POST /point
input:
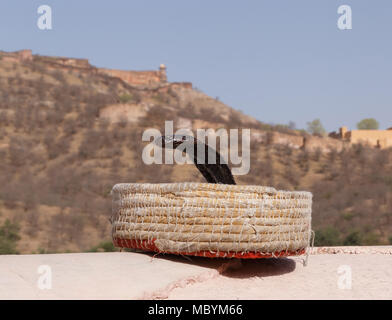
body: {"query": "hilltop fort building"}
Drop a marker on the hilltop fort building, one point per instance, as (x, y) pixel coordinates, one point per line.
(376, 138)
(148, 78)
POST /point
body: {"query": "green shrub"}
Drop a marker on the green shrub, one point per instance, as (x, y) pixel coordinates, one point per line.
(124, 98)
(45, 251)
(353, 239)
(328, 236)
(371, 239)
(105, 246)
(160, 98)
(9, 237)
(348, 216)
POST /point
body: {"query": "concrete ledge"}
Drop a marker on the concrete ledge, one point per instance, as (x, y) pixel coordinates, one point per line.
(132, 275)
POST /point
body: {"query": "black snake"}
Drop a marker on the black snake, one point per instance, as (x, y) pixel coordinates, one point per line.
(215, 172)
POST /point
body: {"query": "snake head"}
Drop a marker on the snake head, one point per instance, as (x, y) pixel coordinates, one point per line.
(173, 141)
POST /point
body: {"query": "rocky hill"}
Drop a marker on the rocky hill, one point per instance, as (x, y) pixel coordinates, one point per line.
(69, 132)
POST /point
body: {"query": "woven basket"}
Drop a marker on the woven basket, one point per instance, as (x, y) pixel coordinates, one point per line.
(213, 220)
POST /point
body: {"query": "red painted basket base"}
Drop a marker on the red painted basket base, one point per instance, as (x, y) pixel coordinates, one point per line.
(150, 246)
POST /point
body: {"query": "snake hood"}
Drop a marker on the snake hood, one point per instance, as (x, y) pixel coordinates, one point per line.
(217, 172)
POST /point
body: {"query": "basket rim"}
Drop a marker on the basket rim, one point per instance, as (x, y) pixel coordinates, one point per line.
(206, 186)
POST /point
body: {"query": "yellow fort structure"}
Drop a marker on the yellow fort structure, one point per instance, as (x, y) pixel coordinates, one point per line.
(376, 138)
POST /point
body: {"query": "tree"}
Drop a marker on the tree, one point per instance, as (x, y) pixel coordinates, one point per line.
(292, 125)
(368, 124)
(316, 128)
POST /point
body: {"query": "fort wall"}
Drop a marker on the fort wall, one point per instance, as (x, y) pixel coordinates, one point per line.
(17, 56)
(324, 144)
(137, 78)
(376, 138)
(143, 79)
(64, 62)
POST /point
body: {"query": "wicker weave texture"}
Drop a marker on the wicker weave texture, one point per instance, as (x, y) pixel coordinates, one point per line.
(196, 217)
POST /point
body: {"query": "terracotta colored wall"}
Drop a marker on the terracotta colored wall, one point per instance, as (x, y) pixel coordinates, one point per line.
(135, 78)
(25, 55)
(141, 78)
(75, 62)
(187, 85)
(17, 56)
(67, 62)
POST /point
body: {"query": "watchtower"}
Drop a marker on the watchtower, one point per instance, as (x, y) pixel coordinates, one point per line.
(162, 73)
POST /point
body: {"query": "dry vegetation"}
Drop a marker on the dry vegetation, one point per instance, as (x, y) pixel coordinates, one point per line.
(352, 189)
(59, 161)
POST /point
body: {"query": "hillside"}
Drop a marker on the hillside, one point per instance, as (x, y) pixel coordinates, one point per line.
(68, 134)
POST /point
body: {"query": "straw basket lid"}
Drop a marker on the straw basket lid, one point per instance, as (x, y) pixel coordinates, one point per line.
(213, 220)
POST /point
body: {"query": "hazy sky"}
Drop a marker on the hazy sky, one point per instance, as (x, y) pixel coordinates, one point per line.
(278, 61)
